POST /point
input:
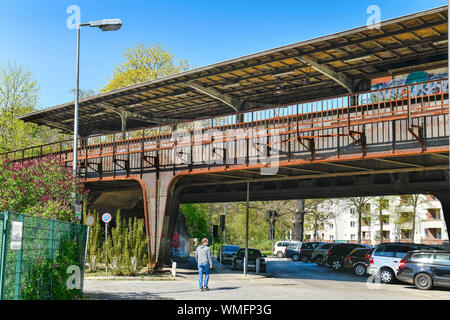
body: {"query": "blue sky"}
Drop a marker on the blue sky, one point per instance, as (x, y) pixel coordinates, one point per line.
(33, 33)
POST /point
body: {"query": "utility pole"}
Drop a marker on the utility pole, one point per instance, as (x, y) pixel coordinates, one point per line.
(246, 230)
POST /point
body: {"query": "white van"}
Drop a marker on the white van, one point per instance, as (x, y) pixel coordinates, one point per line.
(280, 247)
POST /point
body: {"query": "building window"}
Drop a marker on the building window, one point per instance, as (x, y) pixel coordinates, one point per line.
(406, 234)
(331, 237)
(434, 214)
(434, 233)
(352, 236)
(352, 224)
(385, 219)
(352, 210)
(386, 235)
(366, 235)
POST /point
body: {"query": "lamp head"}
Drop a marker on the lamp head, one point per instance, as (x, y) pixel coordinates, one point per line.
(107, 24)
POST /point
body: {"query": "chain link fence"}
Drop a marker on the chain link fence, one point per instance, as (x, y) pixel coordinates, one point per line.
(35, 254)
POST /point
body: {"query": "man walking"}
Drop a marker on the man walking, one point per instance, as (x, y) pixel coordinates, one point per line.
(204, 261)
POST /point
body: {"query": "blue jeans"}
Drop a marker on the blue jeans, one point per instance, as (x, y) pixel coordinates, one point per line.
(203, 269)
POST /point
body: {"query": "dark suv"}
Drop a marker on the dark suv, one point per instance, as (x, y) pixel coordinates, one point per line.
(358, 260)
(425, 269)
(319, 254)
(337, 254)
(307, 249)
(253, 254)
(226, 253)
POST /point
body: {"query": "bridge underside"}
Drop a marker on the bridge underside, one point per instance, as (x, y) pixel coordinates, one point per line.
(424, 173)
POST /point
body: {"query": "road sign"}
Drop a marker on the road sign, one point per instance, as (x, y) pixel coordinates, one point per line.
(106, 217)
(78, 211)
(90, 220)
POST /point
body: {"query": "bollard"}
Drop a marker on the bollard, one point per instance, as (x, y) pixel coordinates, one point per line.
(174, 269)
(258, 266)
(244, 269)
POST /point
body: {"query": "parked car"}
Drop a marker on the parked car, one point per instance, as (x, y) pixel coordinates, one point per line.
(318, 255)
(425, 269)
(337, 254)
(292, 252)
(358, 260)
(384, 259)
(226, 252)
(280, 247)
(445, 245)
(307, 249)
(253, 254)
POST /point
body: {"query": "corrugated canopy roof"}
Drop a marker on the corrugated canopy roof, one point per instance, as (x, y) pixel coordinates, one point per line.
(321, 67)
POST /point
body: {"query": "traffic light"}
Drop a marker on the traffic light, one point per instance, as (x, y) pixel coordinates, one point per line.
(222, 222)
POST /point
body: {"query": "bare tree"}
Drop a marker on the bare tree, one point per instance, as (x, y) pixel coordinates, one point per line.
(277, 212)
(381, 203)
(299, 221)
(411, 200)
(362, 210)
(317, 212)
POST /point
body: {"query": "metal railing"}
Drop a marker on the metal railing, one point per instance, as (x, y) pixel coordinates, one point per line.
(303, 128)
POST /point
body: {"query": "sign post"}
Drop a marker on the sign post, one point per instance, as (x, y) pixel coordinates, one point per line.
(106, 218)
(90, 221)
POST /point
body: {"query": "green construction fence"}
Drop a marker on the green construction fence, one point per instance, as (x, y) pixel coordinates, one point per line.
(30, 244)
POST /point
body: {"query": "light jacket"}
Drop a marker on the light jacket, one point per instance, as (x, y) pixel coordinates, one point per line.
(203, 254)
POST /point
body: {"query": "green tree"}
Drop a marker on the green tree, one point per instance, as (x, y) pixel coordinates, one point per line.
(196, 216)
(19, 94)
(144, 63)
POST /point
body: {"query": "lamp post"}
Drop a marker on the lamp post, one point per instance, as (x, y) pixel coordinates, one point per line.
(104, 25)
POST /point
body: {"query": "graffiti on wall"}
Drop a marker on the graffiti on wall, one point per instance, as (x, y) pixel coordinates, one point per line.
(395, 87)
(180, 246)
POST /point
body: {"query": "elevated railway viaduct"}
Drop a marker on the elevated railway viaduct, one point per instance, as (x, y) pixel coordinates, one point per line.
(300, 121)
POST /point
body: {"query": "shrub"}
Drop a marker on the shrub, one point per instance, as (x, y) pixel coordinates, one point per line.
(40, 187)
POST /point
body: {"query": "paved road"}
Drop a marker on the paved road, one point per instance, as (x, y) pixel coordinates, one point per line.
(287, 280)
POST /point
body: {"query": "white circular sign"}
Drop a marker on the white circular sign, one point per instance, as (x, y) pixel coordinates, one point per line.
(106, 217)
(90, 220)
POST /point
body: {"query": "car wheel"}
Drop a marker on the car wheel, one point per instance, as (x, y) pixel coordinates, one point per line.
(359, 270)
(319, 260)
(295, 257)
(304, 259)
(336, 265)
(387, 275)
(280, 254)
(423, 281)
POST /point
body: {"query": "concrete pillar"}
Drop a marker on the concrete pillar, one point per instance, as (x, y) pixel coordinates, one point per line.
(162, 206)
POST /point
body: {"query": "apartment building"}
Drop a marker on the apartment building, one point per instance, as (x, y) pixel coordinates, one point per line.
(392, 224)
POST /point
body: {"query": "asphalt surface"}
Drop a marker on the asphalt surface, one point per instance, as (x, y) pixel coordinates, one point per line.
(285, 280)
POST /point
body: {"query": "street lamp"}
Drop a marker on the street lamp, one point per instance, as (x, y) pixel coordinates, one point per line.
(104, 25)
